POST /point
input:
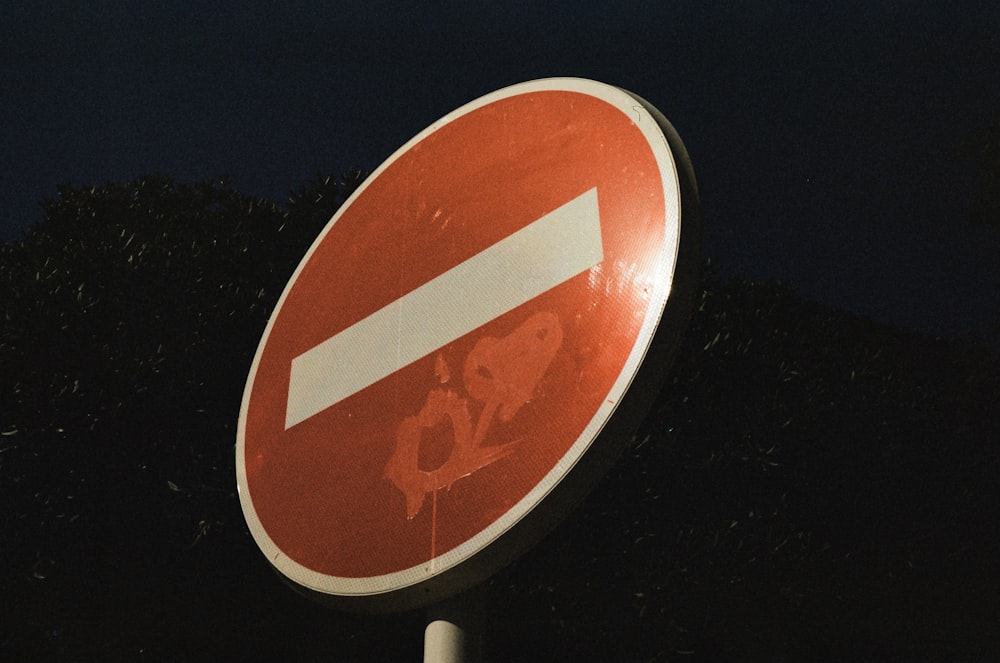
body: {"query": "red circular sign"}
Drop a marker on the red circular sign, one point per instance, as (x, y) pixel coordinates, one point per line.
(457, 336)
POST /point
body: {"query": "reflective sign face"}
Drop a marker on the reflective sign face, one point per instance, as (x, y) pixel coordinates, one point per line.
(457, 337)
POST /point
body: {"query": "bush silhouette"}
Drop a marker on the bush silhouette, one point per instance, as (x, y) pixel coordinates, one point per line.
(808, 485)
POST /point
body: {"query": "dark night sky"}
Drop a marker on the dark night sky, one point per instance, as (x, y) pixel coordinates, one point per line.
(823, 134)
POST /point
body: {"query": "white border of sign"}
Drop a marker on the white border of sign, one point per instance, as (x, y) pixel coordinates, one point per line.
(652, 128)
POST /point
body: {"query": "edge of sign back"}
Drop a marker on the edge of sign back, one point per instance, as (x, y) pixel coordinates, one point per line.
(469, 343)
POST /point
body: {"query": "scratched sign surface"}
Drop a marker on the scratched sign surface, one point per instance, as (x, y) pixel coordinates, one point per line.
(457, 336)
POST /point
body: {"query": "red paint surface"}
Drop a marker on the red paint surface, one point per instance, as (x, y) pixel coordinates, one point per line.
(327, 490)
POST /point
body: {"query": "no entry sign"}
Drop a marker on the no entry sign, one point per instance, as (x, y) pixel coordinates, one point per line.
(463, 345)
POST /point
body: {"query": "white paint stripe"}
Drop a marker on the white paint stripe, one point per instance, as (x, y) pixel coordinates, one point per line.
(518, 268)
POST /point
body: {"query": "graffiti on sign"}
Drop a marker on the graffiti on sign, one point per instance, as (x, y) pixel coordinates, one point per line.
(500, 375)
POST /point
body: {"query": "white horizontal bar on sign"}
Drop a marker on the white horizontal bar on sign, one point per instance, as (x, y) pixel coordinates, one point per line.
(549, 251)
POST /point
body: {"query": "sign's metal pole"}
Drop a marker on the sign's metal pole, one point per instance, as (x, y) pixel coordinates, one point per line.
(444, 642)
(454, 632)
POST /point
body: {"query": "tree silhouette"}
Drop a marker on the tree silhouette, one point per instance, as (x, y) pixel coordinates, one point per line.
(131, 314)
(809, 485)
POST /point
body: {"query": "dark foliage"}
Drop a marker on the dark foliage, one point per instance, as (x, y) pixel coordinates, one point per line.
(809, 485)
(131, 314)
